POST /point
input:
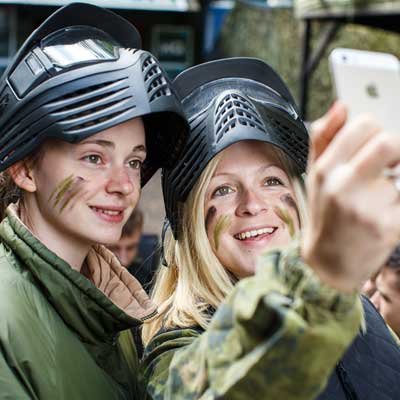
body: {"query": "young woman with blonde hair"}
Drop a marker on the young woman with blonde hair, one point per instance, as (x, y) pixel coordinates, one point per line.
(235, 321)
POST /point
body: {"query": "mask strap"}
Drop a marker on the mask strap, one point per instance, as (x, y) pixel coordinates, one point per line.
(165, 227)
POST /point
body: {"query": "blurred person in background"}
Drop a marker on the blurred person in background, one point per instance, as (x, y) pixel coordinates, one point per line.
(141, 267)
(234, 325)
(127, 248)
(385, 293)
(138, 252)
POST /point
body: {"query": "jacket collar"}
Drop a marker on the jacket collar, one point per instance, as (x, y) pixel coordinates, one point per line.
(98, 307)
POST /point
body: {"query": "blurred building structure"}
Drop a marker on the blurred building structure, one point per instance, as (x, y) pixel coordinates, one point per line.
(215, 14)
(332, 15)
(171, 29)
(276, 33)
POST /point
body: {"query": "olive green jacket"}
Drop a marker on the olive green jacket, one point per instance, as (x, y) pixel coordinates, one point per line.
(58, 331)
(278, 336)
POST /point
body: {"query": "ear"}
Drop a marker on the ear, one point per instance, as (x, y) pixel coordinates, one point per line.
(22, 176)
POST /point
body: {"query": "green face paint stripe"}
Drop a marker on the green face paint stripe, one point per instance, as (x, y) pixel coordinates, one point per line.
(289, 201)
(69, 198)
(75, 189)
(62, 191)
(62, 183)
(221, 226)
(284, 215)
(210, 215)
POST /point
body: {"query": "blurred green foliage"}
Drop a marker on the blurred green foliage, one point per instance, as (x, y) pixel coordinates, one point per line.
(274, 35)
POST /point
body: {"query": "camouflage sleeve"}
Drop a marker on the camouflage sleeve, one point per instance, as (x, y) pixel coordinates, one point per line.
(277, 336)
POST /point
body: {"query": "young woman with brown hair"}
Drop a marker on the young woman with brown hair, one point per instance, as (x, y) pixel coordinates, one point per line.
(88, 117)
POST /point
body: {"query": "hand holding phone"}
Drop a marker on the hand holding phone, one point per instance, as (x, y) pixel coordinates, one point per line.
(368, 82)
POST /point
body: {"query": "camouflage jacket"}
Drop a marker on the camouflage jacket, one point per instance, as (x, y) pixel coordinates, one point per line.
(277, 336)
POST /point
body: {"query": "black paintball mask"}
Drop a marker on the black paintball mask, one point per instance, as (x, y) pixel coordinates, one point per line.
(81, 72)
(228, 101)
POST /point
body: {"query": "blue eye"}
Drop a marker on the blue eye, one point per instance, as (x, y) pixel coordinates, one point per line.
(222, 191)
(273, 181)
(93, 158)
(135, 164)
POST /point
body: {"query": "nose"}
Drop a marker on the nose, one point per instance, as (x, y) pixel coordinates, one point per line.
(251, 203)
(120, 181)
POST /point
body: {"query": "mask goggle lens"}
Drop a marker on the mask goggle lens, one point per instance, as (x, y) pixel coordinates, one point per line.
(63, 49)
(78, 44)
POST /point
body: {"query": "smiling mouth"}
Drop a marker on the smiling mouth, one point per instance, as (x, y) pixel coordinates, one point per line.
(107, 211)
(109, 214)
(254, 233)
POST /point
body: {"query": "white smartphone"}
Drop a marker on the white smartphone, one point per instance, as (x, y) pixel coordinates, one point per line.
(368, 82)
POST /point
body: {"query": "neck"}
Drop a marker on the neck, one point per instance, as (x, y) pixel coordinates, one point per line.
(68, 247)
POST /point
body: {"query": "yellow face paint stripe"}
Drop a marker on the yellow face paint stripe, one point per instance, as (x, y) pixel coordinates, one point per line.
(60, 189)
(284, 215)
(221, 226)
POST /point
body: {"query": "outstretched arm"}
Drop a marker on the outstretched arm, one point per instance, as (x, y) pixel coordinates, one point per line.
(278, 336)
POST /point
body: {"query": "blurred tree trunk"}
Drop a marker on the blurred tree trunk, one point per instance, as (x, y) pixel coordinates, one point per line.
(273, 34)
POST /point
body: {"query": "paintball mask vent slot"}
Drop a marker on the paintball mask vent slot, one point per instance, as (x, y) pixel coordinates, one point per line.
(295, 145)
(194, 148)
(88, 95)
(232, 110)
(100, 99)
(84, 91)
(94, 110)
(7, 151)
(4, 101)
(131, 50)
(195, 154)
(154, 79)
(7, 146)
(147, 62)
(96, 116)
(190, 176)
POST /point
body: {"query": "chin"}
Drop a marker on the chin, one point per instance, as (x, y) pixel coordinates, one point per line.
(243, 270)
(106, 237)
(248, 271)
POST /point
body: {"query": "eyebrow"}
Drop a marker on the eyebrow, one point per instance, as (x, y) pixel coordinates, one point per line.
(106, 143)
(139, 149)
(260, 170)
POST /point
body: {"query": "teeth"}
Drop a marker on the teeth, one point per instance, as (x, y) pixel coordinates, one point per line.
(108, 212)
(254, 233)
